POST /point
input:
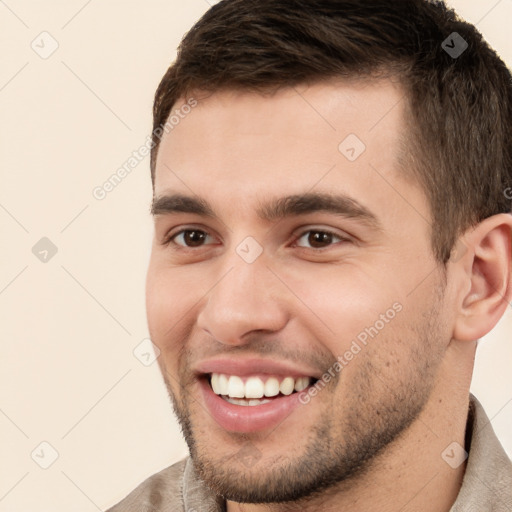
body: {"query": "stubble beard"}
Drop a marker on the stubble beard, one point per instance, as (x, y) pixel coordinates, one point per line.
(342, 447)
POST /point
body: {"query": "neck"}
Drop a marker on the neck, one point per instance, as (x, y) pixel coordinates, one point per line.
(411, 474)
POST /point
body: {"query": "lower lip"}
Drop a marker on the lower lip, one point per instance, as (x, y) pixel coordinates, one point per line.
(248, 418)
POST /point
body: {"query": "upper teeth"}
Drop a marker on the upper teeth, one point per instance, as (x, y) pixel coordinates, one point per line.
(254, 387)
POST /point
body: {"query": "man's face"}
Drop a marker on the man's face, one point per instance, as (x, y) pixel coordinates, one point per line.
(246, 295)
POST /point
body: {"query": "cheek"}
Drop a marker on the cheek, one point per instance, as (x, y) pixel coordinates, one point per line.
(168, 304)
(345, 301)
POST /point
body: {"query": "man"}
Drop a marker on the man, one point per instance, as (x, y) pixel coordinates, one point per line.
(332, 237)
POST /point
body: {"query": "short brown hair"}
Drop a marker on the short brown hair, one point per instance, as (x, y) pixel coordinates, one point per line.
(459, 142)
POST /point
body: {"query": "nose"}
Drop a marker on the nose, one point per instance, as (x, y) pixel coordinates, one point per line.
(249, 297)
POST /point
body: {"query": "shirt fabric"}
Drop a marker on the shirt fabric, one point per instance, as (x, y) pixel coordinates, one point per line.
(486, 486)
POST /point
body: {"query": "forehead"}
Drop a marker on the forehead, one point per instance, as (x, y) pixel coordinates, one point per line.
(238, 148)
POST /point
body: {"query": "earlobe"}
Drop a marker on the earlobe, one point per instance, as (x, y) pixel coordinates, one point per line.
(486, 270)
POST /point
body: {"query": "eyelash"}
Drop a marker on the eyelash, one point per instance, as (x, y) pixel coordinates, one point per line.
(168, 240)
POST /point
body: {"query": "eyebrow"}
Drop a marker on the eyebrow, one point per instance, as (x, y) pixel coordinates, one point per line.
(275, 209)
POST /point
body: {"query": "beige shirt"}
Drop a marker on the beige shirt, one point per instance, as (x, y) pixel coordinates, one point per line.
(486, 487)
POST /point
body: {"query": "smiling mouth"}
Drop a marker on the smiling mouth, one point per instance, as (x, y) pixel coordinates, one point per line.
(257, 389)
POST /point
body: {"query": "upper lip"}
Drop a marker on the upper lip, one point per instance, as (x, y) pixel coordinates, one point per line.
(251, 366)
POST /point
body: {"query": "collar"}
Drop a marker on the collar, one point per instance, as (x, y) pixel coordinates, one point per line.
(487, 482)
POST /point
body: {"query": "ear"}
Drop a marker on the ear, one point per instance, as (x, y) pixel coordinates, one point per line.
(485, 277)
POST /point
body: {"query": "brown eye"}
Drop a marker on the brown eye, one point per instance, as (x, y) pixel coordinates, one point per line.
(319, 239)
(189, 237)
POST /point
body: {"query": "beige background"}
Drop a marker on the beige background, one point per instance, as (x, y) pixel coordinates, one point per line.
(69, 326)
